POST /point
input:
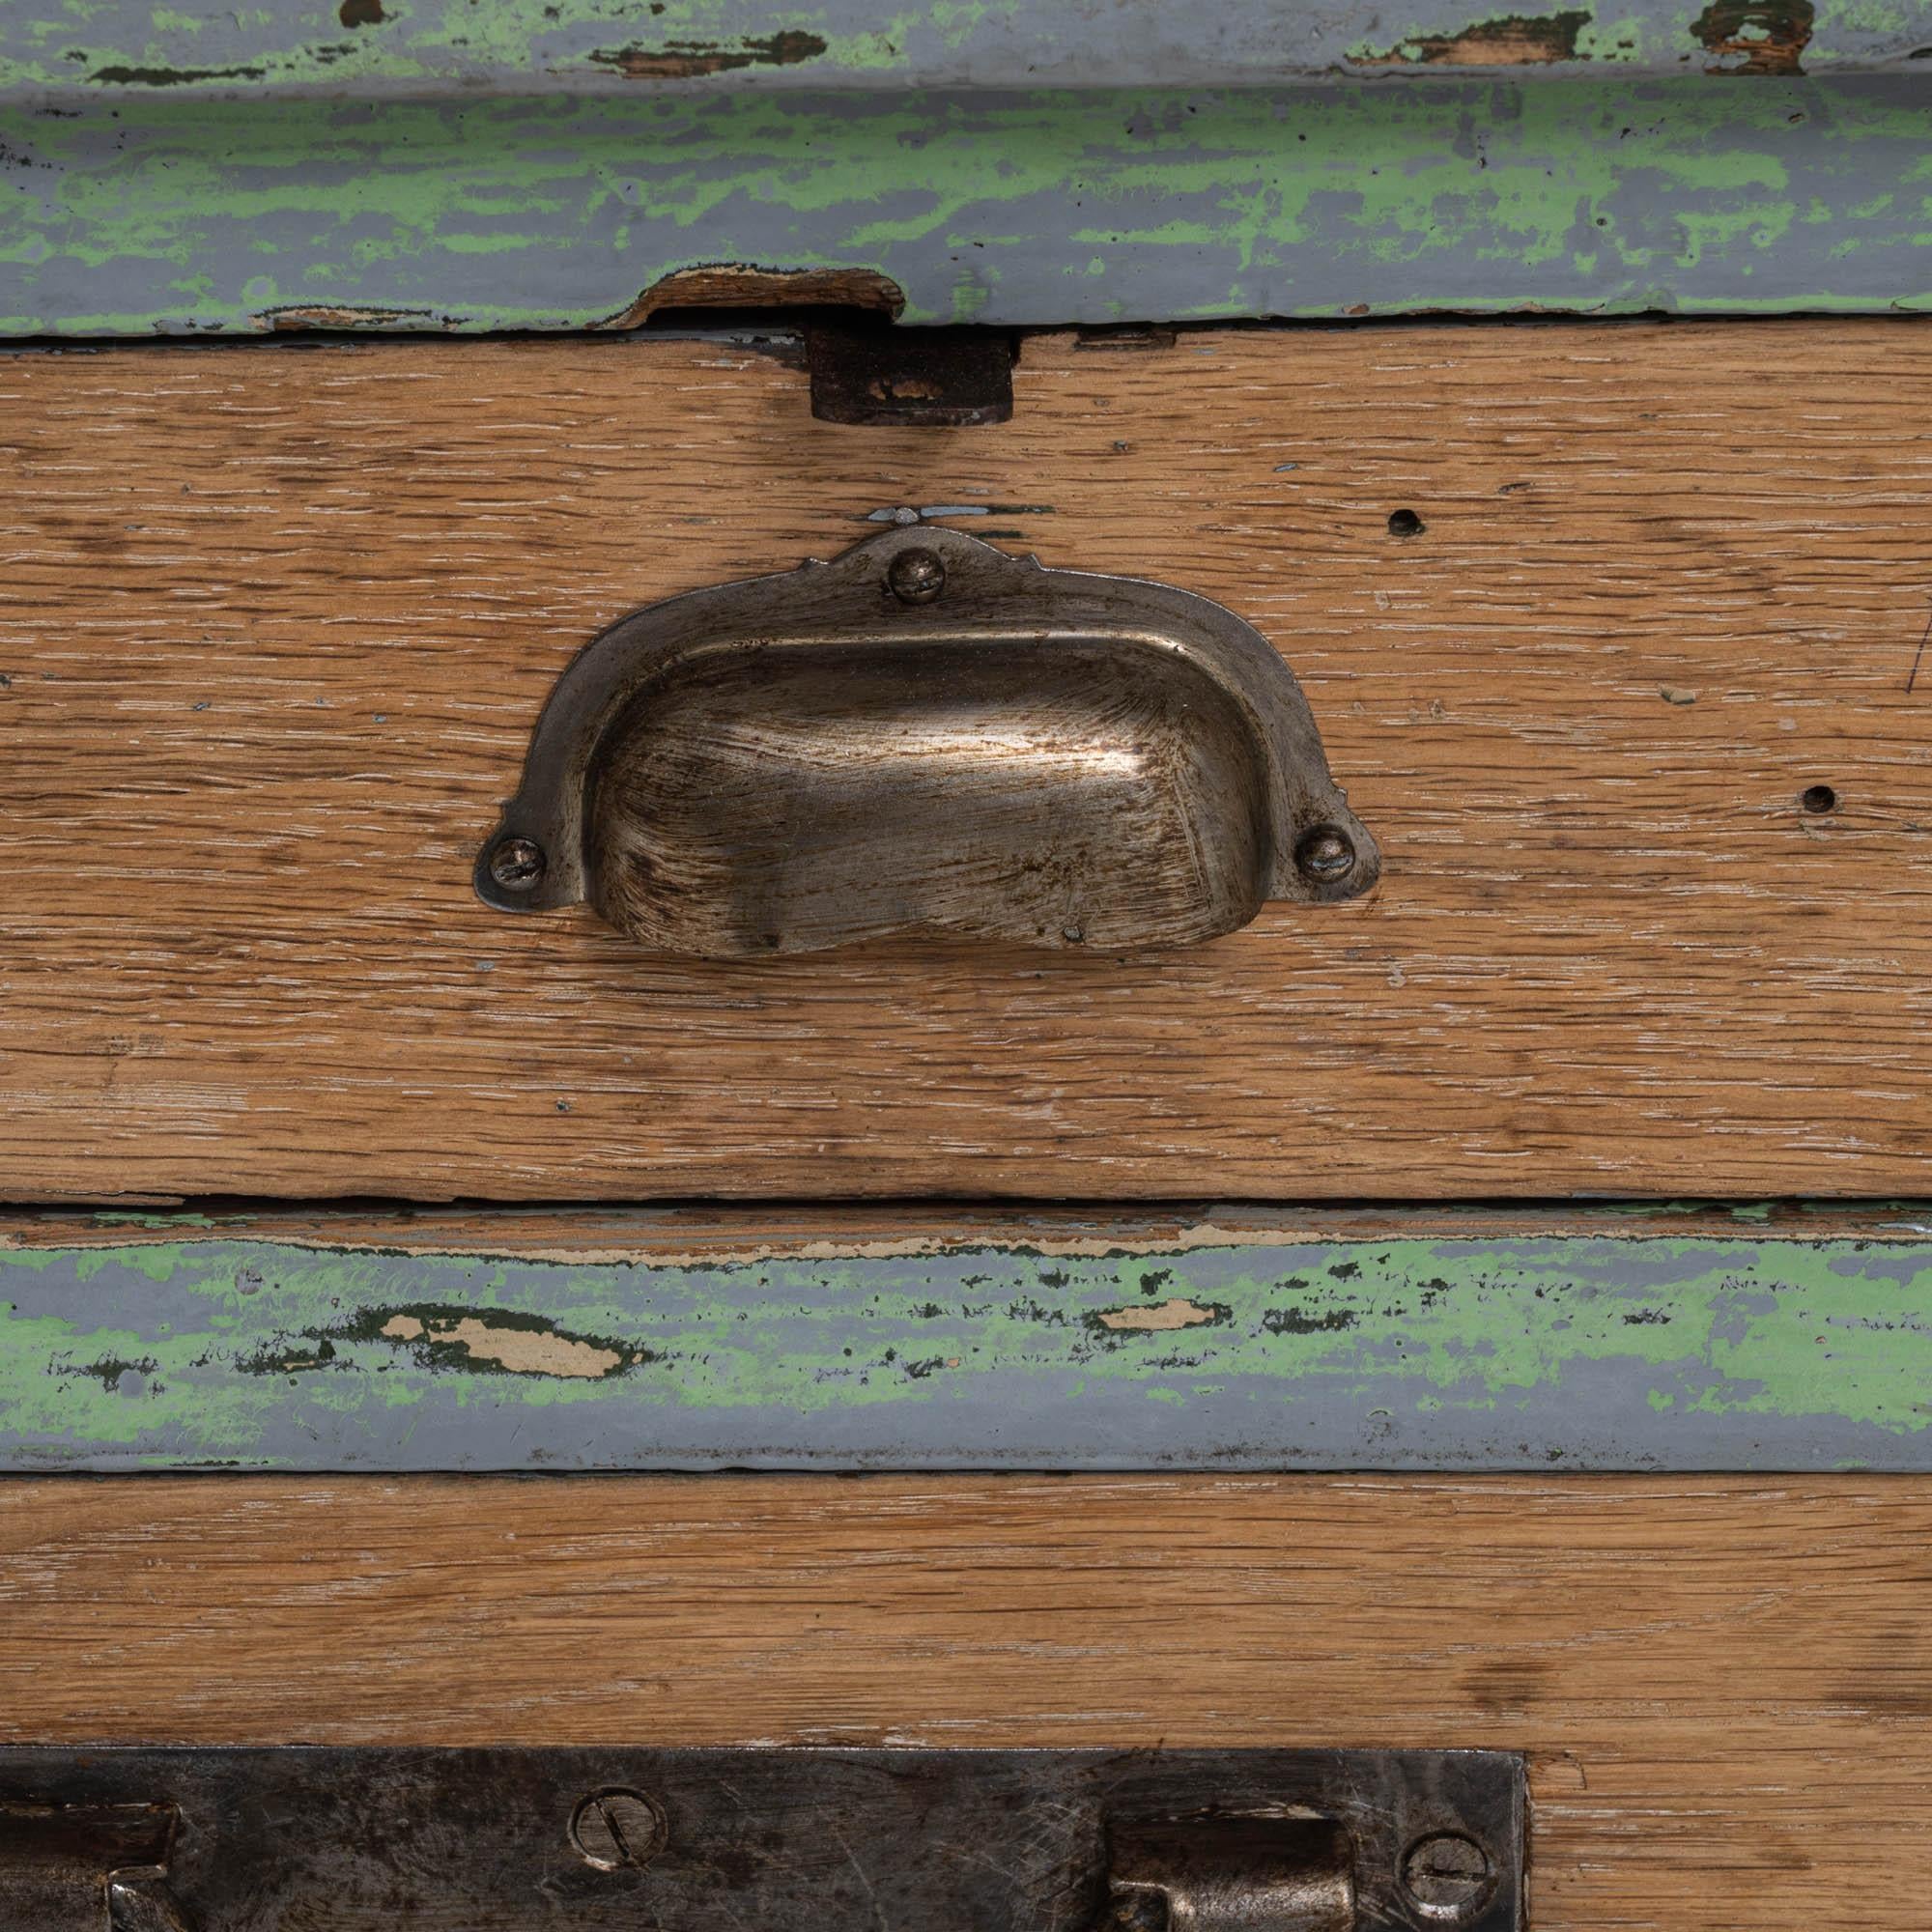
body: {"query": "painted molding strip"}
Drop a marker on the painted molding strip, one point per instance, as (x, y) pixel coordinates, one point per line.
(1615, 1340)
(172, 214)
(121, 50)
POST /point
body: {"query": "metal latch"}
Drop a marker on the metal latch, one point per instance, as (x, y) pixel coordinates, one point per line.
(1231, 1875)
(760, 1840)
(87, 1864)
(865, 370)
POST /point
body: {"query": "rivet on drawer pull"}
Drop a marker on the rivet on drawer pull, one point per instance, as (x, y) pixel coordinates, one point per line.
(926, 736)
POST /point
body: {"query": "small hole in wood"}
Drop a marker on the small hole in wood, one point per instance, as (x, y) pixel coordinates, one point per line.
(1405, 524)
(1819, 799)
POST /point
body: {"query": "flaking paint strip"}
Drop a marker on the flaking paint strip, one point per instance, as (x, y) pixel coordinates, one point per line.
(1594, 1353)
(180, 215)
(128, 47)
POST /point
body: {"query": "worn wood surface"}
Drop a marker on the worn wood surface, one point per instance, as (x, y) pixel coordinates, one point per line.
(1723, 1683)
(275, 626)
(1795, 1337)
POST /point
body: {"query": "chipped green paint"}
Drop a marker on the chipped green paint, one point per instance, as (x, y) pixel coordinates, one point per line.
(1511, 40)
(436, 1336)
(1625, 1349)
(660, 58)
(193, 216)
(428, 46)
(368, 47)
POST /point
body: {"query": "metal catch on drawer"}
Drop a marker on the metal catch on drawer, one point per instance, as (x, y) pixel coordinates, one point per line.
(759, 1840)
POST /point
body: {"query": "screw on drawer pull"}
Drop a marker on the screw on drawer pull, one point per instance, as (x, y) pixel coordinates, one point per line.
(926, 736)
(758, 1838)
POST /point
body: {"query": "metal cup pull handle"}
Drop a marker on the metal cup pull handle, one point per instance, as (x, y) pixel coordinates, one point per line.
(926, 737)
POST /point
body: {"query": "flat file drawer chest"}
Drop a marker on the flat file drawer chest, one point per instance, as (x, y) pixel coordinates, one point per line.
(964, 973)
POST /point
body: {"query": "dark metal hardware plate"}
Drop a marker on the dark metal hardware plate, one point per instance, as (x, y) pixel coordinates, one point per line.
(865, 370)
(759, 1840)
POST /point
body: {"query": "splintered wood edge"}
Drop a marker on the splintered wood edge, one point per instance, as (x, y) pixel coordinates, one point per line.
(726, 1232)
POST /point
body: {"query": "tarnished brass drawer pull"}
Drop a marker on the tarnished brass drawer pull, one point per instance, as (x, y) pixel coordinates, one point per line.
(926, 736)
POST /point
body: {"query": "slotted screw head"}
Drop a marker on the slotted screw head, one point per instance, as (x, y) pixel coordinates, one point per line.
(1324, 854)
(616, 1829)
(517, 865)
(1448, 1876)
(916, 575)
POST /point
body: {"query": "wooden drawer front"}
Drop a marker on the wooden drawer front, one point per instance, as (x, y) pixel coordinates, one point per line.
(275, 625)
(1723, 1684)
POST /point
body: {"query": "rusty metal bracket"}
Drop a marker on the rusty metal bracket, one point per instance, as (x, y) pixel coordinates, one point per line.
(761, 1839)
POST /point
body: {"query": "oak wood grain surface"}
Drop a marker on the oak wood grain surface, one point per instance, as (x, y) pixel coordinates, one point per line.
(275, 624)
(1723, 1683)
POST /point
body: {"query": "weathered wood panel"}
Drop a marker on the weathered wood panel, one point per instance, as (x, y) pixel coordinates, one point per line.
(1723, 1683)
(145, 209)
(275, 627)
(1762, 1340)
